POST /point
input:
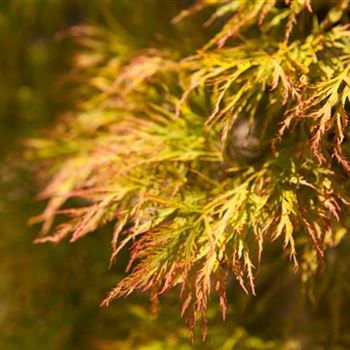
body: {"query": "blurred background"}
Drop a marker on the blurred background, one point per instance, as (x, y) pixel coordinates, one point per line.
(50, 294)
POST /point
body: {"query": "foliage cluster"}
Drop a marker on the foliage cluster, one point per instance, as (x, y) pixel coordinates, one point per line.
(146, 148)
